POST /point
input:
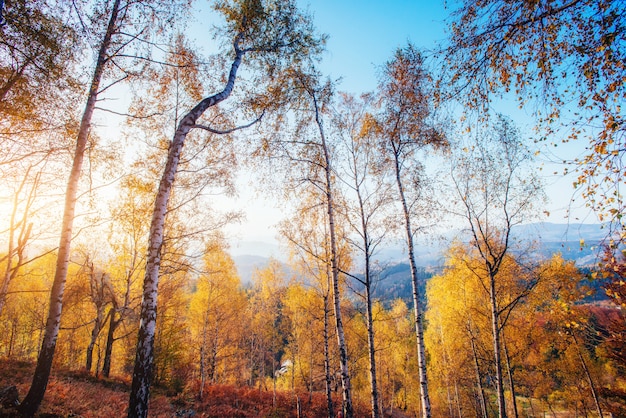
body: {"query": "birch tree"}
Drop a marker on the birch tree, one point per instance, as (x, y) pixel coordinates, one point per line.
(215, 307)
(404, 126)
(368, 198)
(329, 200)
(274, 35)
(566, 59)
(497, 191)
(122, 23)
(308, 240)
(310, 152)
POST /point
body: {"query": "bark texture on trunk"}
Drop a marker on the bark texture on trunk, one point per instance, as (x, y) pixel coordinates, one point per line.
(495, 330)
(329, 389)
(142, 373)
(371, 348)
(95, 332)
(417, 309)
(510, 376)
(108, 351)
(341, 339)
(33, 399)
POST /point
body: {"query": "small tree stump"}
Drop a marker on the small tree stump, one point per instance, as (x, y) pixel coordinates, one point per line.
(9, 397)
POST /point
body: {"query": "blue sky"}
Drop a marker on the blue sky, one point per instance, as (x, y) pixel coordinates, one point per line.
(362, 36)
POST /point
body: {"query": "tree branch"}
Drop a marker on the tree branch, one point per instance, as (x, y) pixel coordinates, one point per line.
(228, 131)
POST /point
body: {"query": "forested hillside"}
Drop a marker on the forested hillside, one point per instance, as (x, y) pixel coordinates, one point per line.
(126, 128)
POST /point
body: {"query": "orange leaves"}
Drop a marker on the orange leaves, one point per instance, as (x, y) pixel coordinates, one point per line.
(560, 52)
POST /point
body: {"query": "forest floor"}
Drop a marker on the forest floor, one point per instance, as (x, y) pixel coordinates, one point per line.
(78, 394)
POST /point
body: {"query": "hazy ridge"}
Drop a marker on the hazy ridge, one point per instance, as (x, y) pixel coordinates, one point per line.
(542, 239)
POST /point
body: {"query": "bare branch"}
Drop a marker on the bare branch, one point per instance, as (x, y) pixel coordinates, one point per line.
(228, 131)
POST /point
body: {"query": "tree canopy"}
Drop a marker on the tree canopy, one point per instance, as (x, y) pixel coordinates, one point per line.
(566, 58)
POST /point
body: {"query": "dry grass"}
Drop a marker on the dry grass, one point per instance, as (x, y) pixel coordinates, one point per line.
(78, 394)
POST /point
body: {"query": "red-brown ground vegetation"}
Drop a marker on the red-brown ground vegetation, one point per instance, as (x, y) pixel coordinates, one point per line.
(78, 394)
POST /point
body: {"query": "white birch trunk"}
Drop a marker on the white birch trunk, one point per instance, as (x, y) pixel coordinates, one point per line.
(142, 373)
(44, 362)
(368, 309)
(341, 339)
(329, 397)
(495, 329)
(417, 310)
(510, 376)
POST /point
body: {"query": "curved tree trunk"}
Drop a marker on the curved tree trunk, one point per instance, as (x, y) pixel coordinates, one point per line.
(142, 373)
(44, 362)
(95, 332)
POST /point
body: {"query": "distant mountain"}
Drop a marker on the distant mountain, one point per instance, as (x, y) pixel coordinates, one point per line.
(259, 248)
(547, 239)
(251, 255)
(247, 264)
(551, 232)
(578, 242)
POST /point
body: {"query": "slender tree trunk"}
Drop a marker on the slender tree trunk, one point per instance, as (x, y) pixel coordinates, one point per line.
(446, 360)
(479, 382)
(329, 394)
(142, 373)
(495, 330)
(203, 359)
(44, 362)
(368, 305)
(213, 364)
(310, 383)
(95, 331)
(592, 386)
(341, 339)
(449, 398)
(371, 350)
(419, 326)
(458, 398)
(108, 351)
(202, 372)
(510, 376)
